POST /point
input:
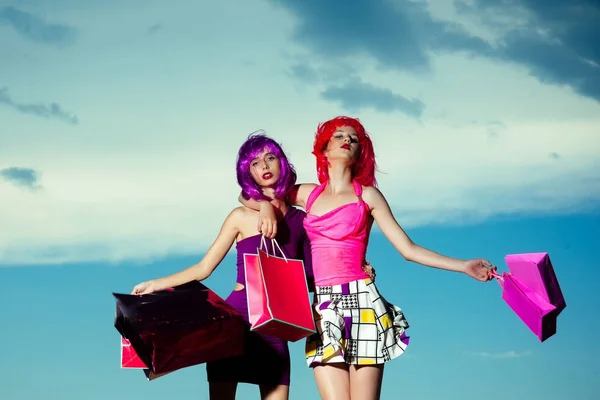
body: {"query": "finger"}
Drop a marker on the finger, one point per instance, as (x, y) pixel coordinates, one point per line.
(273, 229)
(268, 229)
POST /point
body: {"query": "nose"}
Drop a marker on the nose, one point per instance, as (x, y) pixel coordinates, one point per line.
(347, 139)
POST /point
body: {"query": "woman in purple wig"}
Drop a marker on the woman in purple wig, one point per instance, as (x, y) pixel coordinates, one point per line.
(264, 173)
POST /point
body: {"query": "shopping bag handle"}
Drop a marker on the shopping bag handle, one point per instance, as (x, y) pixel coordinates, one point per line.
(499, 278)
(273, 244)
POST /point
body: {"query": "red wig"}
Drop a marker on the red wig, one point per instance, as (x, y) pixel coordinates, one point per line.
(363, 170)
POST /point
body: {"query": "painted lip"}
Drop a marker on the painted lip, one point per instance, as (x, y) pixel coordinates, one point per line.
(345, 146)
(267, 175)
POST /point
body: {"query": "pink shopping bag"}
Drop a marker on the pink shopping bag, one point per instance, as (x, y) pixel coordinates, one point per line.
(129, 358)
(278, 301)
(532, 291)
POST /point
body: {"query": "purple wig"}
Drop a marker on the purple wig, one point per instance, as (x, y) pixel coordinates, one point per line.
(253, 147)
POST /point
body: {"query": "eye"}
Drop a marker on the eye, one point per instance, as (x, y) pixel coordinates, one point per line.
(271, 158)
(254, 163)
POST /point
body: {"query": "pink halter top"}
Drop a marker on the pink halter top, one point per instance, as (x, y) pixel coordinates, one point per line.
(338, 239)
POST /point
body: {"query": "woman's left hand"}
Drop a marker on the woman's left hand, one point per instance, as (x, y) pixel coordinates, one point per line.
(479, 269)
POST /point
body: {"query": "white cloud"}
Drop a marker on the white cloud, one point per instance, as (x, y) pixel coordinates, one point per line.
(507, 354)
(150, 169)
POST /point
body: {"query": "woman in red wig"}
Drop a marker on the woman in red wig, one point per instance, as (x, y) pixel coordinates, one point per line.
(358, 330)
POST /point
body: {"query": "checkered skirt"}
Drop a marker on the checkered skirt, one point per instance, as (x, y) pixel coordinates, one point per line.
(355, 325)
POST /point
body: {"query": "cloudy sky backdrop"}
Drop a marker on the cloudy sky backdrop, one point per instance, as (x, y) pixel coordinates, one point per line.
(120, 122)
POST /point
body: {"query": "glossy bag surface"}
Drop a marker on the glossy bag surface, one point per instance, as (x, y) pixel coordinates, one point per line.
(179, 327)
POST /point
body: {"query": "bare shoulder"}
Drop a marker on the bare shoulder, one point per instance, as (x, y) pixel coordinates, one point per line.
(298, 196)
(373, 196)
(307, 188)
(239, 214)
(242, 212)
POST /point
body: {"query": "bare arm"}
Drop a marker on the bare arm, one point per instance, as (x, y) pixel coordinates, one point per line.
(298, 196)
(256, 205)
(267, 220)
(202, 270)
(382, 214)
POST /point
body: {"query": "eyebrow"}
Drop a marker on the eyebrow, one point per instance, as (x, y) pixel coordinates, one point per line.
(266, 155)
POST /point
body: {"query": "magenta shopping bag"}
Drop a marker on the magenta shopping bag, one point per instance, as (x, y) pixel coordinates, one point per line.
(532, 291)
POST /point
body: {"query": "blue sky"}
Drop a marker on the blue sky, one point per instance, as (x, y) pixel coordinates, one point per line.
(119, 126)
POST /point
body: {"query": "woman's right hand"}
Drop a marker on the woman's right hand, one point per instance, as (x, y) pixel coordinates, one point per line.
(146, 288)
(368, 268)
(267, 220)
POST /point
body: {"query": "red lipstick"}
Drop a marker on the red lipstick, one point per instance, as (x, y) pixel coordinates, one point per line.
(267, 176)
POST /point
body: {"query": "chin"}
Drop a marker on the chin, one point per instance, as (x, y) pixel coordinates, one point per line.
(269, 183)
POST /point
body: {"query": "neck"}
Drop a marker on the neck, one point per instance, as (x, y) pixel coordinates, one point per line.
(340, 176)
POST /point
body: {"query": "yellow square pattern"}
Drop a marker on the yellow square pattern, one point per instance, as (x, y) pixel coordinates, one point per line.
(366, 361)
(328, 352)
(367, 316)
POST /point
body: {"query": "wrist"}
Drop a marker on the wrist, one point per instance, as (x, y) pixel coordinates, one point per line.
(461, 266)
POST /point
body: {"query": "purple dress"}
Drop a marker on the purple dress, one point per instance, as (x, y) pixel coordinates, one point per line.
(267, 358)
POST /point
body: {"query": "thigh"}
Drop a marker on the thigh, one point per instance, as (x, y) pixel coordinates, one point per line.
(277, 392)
(365, 381)
(222, 390)
(333, 381)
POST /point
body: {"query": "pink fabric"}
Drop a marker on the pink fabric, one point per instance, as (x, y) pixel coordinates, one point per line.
(338, 240)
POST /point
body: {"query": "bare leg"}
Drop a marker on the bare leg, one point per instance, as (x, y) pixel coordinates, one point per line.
(333, 381)
(278, 392)
(222, 390)
(365, 381)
